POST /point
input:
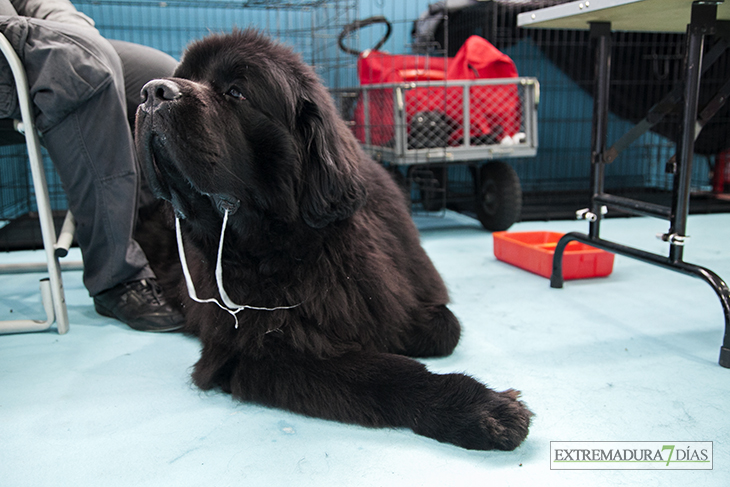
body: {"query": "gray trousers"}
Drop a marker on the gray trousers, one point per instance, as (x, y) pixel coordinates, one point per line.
(85, 89)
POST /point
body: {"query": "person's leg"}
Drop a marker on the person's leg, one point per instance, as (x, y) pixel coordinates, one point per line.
(93, 152)
(106, 190)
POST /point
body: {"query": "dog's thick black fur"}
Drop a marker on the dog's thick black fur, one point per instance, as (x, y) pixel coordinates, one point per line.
(314, 224)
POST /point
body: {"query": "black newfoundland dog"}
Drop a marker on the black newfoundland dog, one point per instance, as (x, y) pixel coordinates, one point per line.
(323, 290)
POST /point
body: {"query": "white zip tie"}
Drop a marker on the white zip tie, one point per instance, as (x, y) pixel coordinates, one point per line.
(228, 305)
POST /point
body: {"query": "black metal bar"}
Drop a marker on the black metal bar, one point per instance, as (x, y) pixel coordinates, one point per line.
(601, 32)
(717, 102)
(707, 113)
(633, 206)
(703, 18)
(717, 284)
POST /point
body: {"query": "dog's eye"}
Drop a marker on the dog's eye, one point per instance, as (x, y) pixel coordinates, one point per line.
(235, 92)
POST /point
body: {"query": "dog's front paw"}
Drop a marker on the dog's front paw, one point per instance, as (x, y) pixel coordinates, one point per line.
(472, 416)
(505, 422)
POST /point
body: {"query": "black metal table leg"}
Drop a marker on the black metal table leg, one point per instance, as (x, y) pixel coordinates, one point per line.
(601, 32)
(703, 18)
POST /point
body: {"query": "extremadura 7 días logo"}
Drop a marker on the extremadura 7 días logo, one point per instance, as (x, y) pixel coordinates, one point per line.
(631, 455)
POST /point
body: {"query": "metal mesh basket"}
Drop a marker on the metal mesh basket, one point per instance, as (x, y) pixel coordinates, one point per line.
(451, 121)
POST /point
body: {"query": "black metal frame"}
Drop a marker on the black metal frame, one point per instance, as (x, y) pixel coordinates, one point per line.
(703, 22)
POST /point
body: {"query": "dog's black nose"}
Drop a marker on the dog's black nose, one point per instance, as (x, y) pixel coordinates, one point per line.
(159, 91)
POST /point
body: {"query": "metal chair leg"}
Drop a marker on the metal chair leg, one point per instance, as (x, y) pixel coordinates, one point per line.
(27, 126)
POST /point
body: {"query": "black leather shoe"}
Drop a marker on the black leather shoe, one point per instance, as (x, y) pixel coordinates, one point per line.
(139, 304)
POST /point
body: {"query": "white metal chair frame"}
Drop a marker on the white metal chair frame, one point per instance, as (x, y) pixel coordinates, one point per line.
(52, 295)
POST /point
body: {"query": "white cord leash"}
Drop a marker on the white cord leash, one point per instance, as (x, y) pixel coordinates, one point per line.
(228, 305)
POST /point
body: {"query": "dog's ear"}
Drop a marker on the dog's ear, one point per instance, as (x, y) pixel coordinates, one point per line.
(333, 188)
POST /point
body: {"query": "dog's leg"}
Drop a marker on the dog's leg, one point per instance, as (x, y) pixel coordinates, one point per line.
(381, 390)
(435, 333)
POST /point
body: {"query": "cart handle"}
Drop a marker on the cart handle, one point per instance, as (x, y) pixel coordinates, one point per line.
(359, 24)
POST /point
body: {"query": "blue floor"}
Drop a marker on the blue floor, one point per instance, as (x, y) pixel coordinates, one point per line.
(630, 357)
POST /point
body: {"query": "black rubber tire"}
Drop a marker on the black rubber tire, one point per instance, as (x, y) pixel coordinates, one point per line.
(498, 196)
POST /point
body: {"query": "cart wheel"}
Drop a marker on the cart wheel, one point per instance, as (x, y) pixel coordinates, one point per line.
(499, 196)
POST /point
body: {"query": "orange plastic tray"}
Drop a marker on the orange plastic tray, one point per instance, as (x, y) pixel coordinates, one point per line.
(533, 251)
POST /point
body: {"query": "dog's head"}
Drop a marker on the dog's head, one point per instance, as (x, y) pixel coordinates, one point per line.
(244, 123)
